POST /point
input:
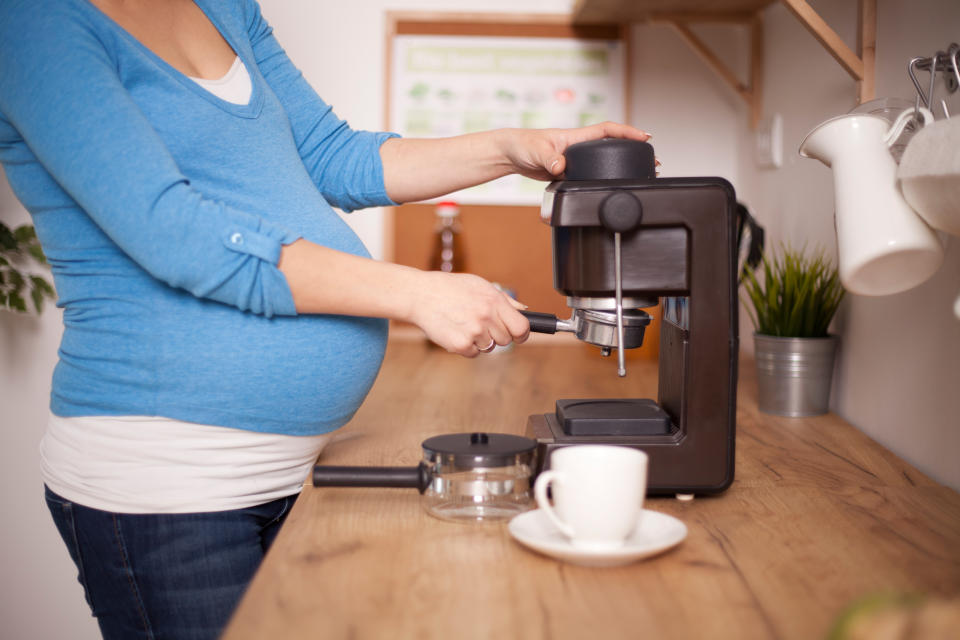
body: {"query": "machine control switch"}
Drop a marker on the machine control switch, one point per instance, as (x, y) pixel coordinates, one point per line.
(621, 212)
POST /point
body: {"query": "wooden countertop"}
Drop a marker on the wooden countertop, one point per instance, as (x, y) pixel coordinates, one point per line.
(818, 516)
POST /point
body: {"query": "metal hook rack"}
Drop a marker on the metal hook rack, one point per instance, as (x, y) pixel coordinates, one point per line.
(943, 62)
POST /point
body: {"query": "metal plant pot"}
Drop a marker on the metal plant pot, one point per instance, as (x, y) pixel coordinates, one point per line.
(794, 374)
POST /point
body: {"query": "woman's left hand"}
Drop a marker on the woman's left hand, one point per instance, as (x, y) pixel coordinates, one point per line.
(416, 169)
(538, 153)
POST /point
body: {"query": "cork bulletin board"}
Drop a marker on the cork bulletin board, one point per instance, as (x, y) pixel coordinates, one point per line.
(453, 73)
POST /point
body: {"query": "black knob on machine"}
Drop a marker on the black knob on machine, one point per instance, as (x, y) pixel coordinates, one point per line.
(610, 159)
(620, 212)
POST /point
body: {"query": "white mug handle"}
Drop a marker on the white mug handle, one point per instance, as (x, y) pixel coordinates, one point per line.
(901, 122)
(540, 492)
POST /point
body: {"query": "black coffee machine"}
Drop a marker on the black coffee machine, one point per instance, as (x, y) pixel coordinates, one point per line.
(624, 240)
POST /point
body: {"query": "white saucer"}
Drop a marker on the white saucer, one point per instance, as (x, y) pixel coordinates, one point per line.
(655, 533)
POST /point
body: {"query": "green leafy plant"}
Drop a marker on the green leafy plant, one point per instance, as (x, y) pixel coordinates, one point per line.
(19, 248)
(798, 297)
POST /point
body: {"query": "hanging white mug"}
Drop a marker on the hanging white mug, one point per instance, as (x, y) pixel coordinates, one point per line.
(884, 247)
(929, 175)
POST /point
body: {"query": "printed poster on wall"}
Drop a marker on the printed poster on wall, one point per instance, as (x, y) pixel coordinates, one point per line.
(450, 85)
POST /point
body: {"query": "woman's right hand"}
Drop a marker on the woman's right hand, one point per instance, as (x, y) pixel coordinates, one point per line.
(465, 314)
(462, 313)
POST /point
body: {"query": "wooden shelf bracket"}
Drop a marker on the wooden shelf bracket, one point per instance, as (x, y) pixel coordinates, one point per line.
(751, 93)
(681, 13)
(860, 65)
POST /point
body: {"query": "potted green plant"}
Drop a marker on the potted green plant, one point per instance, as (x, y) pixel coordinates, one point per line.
(791, 311)
(20, 253)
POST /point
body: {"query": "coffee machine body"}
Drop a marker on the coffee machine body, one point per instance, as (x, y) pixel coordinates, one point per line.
(629, 242)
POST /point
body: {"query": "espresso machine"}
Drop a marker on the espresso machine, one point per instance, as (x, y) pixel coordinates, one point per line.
(624, 240)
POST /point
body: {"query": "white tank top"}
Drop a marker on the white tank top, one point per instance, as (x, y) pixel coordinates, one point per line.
(144, 464)
(234, 87)
(148, 464)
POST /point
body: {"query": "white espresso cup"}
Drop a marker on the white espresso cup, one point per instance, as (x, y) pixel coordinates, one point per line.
(884, 247)
(598, 493)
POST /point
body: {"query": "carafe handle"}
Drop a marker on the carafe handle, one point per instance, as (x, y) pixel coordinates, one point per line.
(418, 477)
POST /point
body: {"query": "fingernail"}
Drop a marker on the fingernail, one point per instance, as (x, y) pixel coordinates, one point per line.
(554, 165)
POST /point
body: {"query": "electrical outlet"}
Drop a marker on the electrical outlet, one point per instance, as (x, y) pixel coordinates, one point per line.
(768, 143)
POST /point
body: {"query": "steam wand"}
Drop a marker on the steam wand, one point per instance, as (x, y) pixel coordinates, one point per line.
(621, 366)
(620, 212)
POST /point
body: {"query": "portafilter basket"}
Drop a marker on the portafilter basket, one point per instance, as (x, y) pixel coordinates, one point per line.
(596, 327)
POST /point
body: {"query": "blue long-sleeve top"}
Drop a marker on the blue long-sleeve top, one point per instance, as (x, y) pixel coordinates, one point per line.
(162, 210)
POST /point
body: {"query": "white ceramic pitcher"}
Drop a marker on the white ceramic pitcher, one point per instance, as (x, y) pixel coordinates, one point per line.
(884, 246)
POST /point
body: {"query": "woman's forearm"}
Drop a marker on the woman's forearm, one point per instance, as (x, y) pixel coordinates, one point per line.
(323, 280)
(461, 312)
(422, 168)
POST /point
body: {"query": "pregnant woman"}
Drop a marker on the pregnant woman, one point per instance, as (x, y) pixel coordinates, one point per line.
(220, 320)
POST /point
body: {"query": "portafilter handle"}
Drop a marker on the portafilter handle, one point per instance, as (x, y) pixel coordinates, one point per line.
(548, 323)
(541, 322)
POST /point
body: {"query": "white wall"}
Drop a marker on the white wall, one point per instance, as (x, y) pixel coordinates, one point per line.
(697, 121)
(899, 365)
(39, 594)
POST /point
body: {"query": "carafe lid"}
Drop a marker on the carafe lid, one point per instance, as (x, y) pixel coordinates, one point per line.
(610, 159)
(471, 450)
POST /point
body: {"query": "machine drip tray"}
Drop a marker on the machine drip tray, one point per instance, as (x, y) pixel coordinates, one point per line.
(617, 417)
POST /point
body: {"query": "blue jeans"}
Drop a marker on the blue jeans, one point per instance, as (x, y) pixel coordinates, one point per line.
(155, 576)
